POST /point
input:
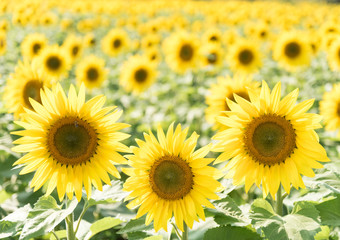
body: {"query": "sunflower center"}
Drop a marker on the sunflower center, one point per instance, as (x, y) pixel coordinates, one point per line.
(75, 50)
(117, 43)
(292, 50)
(53, 63)
(92, 74)
(141, 75)
(246, 56)
(270, 139)
(242, 94)
(36, 48)
(32, 90)
(171, 177)
(2, 44)
(338, 109)
(186, 52)
(212, 58)
(72, 140)
(93, 41)
(213, 38)
(263, 34)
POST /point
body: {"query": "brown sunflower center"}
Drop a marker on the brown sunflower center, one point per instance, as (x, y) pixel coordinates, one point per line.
(246, 56)
(270, 139)
(72, 140)
(338, 109)
(141, 75)
(263, 34)
(186, 52)
(2, 43)
(36, 48)
(212, 58)
(117, 43)
(242, 94)
(32, 90)
(92, 74)
(213, 38)
(53, 63)
(75, 50)
(292, 50)
(171, 177)
(93, 41)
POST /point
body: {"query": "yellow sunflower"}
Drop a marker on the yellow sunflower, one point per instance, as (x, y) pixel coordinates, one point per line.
(226, 87)
(333, 56)
(270, 141)
(26, 82)
(3, 25)
(3, 43)
(212, 35)
(154, 55)
(292, 50)
(70, 142)
(33, 44)
(90, 40)
(244, 57)
(73, 45)
(168, 178)
(54, 61)
(115, 42)
(212, 55)
(137, 74)
(182, 52)
(91, 71)
(330, 109)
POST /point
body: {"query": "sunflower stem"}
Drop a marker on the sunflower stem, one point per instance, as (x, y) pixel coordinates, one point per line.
(176, 231)
(279, 202)
(69, 225)
(85, 208)
(185, 232)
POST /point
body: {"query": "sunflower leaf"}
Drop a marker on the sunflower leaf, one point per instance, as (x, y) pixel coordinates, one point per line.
(135, 225)
(45, 216)
(330, 211)
(231, 232)
(102, 225)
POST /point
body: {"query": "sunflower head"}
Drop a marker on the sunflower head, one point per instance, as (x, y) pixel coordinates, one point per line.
(115, 42)
(33, 44)
(70, 143)
(212, 55)
(330, 109)
(175, 181)
(3, 42)
(270, 141)
(73, 46)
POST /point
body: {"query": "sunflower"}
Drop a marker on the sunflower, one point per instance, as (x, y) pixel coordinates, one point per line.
(169, 178)
(212, 55)
(70, 142)
(330, 108)
(213, 35)
(115, 42)
(226, 87)
(182, 52)
(33, 44)
(244, 57)
(150, 40)
(26, 82)
(292, 50)
(3, 25)
(269, 140)
(153, 54)
(73, 46)
(137, 74)
(3, 42)
(54, 61)
(91, 71)
(90, 40)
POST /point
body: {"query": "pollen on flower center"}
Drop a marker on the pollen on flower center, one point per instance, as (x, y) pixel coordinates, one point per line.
(72, 140)
(246, 56)
(171, 177)
(292, 50)
(270, 139)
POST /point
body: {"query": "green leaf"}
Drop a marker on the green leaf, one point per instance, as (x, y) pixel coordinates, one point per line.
(158, 237)
(135, 225)
(13, 223)
(324, 234)
(110, 194)
(61, 234)
(137, 235)
(102, 225)
(4, 196)
(330, 211)
(231, 232)
(45, 216)
(301, 224)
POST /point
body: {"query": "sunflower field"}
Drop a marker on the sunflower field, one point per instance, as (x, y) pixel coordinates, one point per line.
(157, 119)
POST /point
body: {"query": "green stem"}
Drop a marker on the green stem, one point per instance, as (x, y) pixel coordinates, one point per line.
(279, 202)
(176, 231)
(55, 235)
(185, 233)
(85, 208)
(69, 225)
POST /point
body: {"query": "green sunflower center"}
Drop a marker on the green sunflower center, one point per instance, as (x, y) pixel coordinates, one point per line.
(212, 58)
(53, 62)
(32, 90)
(117, 43)
(36, 47)
(92, 74)
(246, 56)
(186, 52)
(141, 75)
(171, 177)
(270, 139)
(292, 50)
(75, 50)
(72, 140)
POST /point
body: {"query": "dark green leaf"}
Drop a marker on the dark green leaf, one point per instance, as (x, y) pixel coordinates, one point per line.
(330, 211)
(135, 225)
(231, 232)
(102, 225)
(137, 235)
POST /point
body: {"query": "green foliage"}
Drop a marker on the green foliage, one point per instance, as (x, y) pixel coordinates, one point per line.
(330, 211)
(102, 225)
(231, 232)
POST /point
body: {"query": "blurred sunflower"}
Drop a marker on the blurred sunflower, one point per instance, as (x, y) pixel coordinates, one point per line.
(333, 56)
(226, 87)
(3, 25)
(330, 109)
(212, 55)
(169, 178)
(3, 43)
(244, 57)
(182, 52)
(137, 74)
(212, 35)
(150, 40)
(115, 42)
(54, 61)
(292, 50)
(270, 141)
(154, 55)
(91, 71)
(90, 40)
(73, 46)
(33, 44)
(70, 142)
(26, 82)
